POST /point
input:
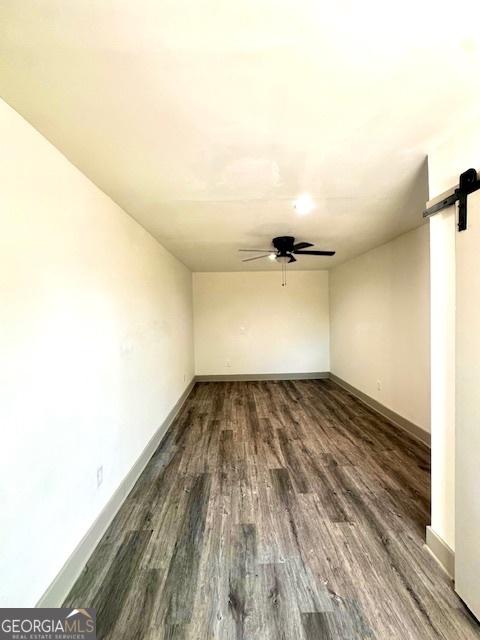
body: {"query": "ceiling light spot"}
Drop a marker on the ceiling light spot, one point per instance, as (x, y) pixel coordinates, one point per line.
(304, 204)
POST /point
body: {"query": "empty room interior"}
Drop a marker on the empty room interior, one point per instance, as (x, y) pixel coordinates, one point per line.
(240, 319)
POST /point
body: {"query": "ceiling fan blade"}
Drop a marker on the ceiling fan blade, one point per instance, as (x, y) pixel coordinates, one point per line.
(292, 259)
(315, 253)
(302, 245)
(256, 250)
(256, 258)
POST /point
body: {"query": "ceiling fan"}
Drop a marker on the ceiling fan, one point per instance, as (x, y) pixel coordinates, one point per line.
(284, 251)
(284, 248)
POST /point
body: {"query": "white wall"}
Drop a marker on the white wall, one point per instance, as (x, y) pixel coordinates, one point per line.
(96, 348)
(379, 306)
(258, 326)
(467, 409)
(442, 277)
(457, 151)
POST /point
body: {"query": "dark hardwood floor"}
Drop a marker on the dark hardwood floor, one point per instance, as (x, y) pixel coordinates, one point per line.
(275, 510)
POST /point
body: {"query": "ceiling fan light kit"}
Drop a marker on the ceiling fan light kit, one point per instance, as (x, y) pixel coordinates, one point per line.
(284, 250)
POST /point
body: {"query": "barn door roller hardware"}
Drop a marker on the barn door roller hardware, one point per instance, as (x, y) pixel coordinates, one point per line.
(467, 183)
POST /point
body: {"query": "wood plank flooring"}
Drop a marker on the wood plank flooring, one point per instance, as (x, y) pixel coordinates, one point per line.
(275, 511)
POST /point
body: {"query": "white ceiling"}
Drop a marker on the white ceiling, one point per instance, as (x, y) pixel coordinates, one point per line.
(205, 119)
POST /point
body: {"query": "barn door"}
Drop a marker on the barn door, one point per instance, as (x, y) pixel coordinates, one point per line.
(467, 409)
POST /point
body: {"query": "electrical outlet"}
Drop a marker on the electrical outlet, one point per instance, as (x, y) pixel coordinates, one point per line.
(228, 364)
(184, 377)
(379, 385)
(99, 476)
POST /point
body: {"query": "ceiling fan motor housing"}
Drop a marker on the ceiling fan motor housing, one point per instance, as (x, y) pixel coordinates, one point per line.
(284, 244)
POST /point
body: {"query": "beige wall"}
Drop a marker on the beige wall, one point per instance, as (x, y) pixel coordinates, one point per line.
(96, 348)
(251, 323)
(379, 306)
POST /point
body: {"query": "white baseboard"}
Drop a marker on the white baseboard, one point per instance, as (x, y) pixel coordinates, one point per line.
(440, 550)
(65, 579)
(245, 377)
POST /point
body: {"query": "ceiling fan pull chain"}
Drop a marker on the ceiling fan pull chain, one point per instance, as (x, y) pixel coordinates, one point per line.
(284, 274)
